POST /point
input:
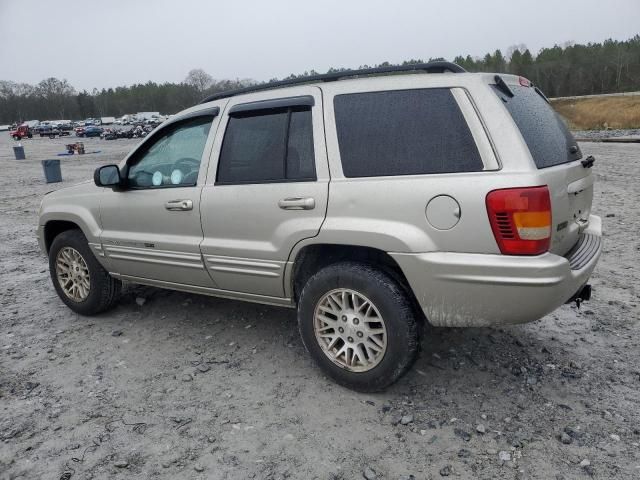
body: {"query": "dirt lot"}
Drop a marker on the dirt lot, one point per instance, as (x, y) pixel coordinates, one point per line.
(184, 386)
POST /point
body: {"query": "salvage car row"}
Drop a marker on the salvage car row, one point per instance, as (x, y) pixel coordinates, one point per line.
(140, 124)
(46, 129)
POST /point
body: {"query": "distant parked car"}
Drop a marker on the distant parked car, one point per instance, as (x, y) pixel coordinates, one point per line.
(21, 132)
(51, 131)
(92, 131)
(79, 131)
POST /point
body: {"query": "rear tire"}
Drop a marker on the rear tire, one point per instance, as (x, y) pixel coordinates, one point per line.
(79, 279)
(383, 341)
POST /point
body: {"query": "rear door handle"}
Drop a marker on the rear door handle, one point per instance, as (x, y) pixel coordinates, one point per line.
(179, 205)
(297, 203)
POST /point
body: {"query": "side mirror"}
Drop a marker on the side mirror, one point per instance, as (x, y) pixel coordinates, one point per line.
(107, 176)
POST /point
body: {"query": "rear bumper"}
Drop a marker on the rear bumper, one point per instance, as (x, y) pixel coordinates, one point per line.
(473, 290)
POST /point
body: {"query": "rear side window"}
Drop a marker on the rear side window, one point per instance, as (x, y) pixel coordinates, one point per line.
(403, 132)
(546, 135)
(268, 146)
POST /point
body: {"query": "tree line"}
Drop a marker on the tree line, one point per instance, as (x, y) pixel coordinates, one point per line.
(570, 69)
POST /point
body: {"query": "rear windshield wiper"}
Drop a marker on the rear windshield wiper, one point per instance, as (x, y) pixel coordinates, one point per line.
(588, 162)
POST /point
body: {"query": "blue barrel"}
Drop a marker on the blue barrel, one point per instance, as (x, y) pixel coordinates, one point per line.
(52, 173)
(19, 153)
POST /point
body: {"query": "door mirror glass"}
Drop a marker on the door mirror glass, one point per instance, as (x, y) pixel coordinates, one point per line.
(107, 176)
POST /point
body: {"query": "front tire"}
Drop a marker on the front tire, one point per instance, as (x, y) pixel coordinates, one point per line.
(80, 281)
(359, 326)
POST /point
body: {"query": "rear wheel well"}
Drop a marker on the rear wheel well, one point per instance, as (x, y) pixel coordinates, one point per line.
(313, 258)
(54, 228)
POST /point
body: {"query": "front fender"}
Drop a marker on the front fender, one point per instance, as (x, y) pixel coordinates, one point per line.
(79, 205)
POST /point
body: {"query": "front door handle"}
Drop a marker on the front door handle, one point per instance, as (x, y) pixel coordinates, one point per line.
(179, 205)
(297, 203)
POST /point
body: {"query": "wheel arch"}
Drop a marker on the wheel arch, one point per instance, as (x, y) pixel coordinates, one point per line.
(311, 258)
(53, 228)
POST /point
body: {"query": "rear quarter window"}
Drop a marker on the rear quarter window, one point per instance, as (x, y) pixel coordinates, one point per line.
(403, 132)
(545, 133)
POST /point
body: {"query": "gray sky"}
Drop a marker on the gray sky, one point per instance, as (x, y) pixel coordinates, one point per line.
(103, 43)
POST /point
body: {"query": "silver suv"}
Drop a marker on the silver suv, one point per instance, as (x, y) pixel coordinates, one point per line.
(372, 204)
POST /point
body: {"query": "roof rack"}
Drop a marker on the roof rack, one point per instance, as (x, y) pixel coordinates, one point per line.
(430, 67)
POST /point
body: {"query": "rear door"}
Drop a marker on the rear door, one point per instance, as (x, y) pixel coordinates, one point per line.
(557, 156)
(266, 189)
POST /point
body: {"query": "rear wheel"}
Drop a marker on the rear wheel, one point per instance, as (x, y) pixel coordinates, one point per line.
(358, 325)
(80, 281)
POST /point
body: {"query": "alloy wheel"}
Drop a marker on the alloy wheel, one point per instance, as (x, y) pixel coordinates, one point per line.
(73, 274)
(350, 330)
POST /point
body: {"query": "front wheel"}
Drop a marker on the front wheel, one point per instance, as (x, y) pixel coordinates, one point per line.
(80, 281)
(16, 137)
(359, 326)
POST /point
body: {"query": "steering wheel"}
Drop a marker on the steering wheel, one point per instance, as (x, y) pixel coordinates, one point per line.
(143, 178)
(195, 164)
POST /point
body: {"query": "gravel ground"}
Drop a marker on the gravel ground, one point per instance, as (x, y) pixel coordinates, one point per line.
(600, 134)
(171, 385)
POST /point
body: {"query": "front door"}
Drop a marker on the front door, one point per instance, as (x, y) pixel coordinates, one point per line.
(152, 228)
(268, 190)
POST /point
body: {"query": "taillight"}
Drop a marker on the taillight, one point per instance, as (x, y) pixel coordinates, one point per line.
(521, 219)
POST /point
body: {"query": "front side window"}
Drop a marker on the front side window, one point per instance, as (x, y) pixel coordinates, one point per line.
(172, 158)
(404, 132)
(267, 146)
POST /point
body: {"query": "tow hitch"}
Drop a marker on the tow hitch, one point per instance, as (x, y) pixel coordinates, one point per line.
(582, 295)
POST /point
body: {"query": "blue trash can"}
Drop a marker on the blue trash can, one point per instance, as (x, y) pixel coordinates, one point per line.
(52, 173)
(18, 152)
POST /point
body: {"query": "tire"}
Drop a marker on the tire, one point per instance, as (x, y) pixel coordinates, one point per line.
(389, 302)
(16, 137)
(103, 291)
(30, 135)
